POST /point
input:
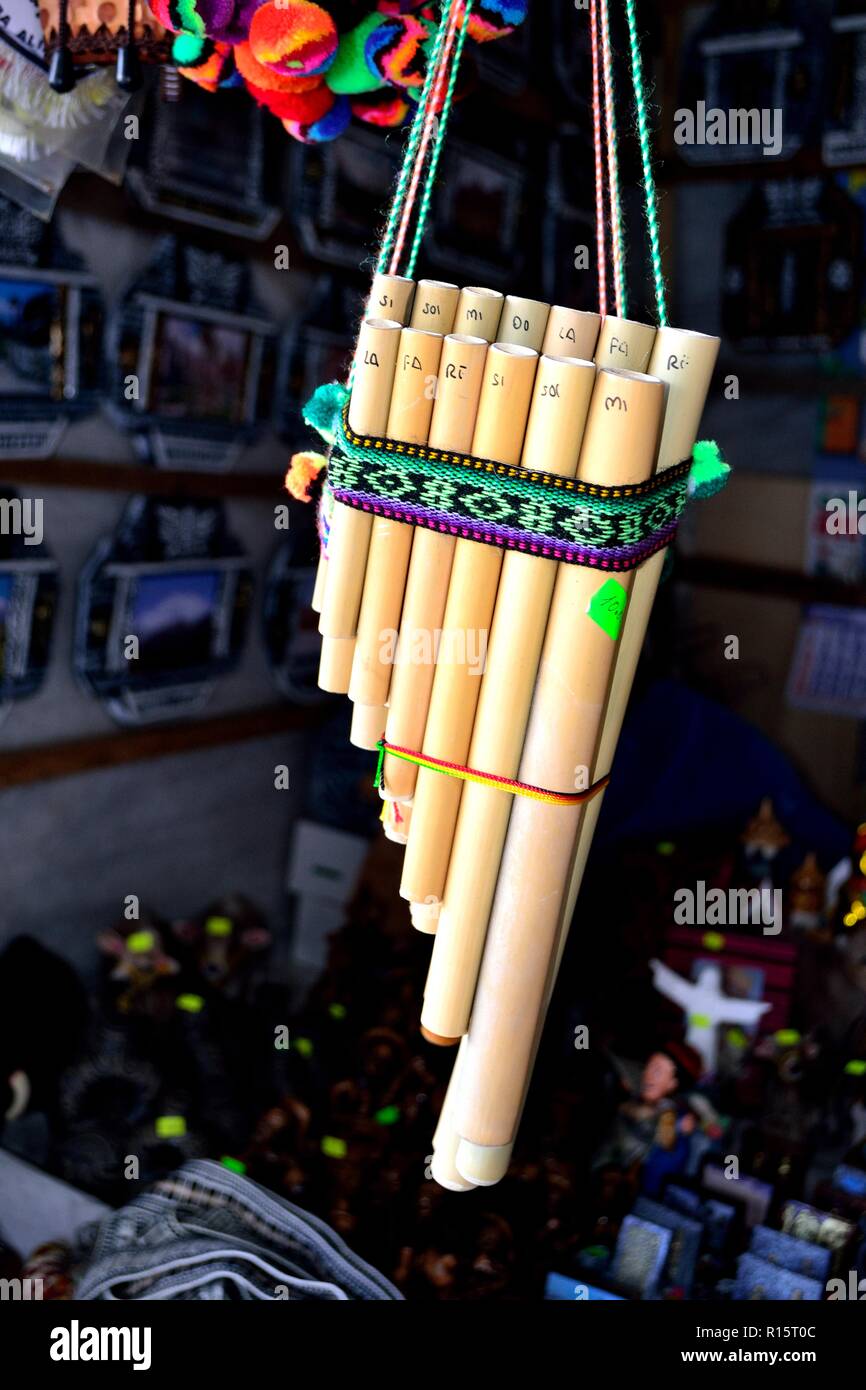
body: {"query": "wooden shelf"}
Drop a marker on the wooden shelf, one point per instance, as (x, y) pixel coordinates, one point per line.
(46, 762)
(121, 477)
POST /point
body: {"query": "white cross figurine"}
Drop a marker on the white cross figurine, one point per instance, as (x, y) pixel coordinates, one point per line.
(705, 1007)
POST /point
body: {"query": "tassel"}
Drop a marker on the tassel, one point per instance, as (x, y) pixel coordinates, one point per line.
(61, 74)
(304, 469)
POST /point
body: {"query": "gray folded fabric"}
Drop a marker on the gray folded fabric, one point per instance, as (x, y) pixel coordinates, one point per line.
(205, 1232)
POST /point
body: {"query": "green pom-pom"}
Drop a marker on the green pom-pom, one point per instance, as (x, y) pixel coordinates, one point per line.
(350, 74)
(187, 49)
(709, 472)
(324, 408)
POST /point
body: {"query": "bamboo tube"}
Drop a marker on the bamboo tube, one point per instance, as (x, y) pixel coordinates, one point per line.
(391, 541)
(452, 426)
(571, 332)
(685, 361)
(321, 582)
(503, 409)
(434, 306)
(335, 664)
(523, 321)
(562, 738)
(424, 916)
(446, 1139)
(478, 312)
(375, 363)
(396, 818)
(561, 399)
(624, 343)
(391, 297)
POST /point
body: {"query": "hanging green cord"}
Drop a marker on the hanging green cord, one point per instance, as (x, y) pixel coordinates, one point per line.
(442, 123)
(411, 147)
(646, 160)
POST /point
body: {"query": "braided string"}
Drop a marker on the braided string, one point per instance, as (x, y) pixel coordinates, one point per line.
(646, 161)
(426, 131)
(412, 146)
(484, 779)
(597, 138)
(617, 244)
(437, 147)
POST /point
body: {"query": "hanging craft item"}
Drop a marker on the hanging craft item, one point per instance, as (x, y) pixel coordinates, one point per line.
(505, 477)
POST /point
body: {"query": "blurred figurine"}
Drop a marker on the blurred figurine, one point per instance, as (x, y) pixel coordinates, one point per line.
(141, 966)
(705, 1006)
(763, 839)
(652, 1128)
(226, 942)
(806, 895)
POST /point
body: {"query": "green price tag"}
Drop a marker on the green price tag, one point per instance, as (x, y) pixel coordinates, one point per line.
(607, 608)
(234, 1165)
(333, 1147)
(304, 1046)
(337, 1011)
(700, 1020)
(170, 1126)
(856, 1067)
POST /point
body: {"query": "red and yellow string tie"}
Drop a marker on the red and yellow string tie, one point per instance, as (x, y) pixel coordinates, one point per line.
(484, 779)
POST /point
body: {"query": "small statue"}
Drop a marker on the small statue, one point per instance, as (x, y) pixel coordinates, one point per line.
(763, 839)
(141, 966)
(705, 1006)
(651, 1134)
(806, 895)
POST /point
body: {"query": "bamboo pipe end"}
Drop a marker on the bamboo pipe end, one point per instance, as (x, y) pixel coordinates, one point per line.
(335, 664)
(368, 726)
(481, 1164)
(425, 916)
(436, 1038)
(445, 1173)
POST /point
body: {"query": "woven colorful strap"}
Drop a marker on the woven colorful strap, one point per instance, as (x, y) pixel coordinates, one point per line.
(485, 779)
(608, 528)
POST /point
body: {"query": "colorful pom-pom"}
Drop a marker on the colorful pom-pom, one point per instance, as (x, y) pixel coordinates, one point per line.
(262, 76)
(709, 471)
(322, 411)
(295, 38)
(493, 19)
(396, 51)
(327, 127)
(350, 72)
(386, 109)
(211, 69)
(304, 469)
(294, 106)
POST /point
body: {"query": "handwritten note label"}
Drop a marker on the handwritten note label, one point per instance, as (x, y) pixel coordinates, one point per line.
(606, 608)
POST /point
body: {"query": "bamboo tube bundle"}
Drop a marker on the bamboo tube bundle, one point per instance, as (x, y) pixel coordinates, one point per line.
(452, 427)
(563, 733)
(496, 541)
(375, 364)
(509, 375)
(561, 399)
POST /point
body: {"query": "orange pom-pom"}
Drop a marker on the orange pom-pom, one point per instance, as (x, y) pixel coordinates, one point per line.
(304, 469)
(261, 76)
(293, 36)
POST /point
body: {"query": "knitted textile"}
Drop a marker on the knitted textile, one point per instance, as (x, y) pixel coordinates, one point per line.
(609, 528)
